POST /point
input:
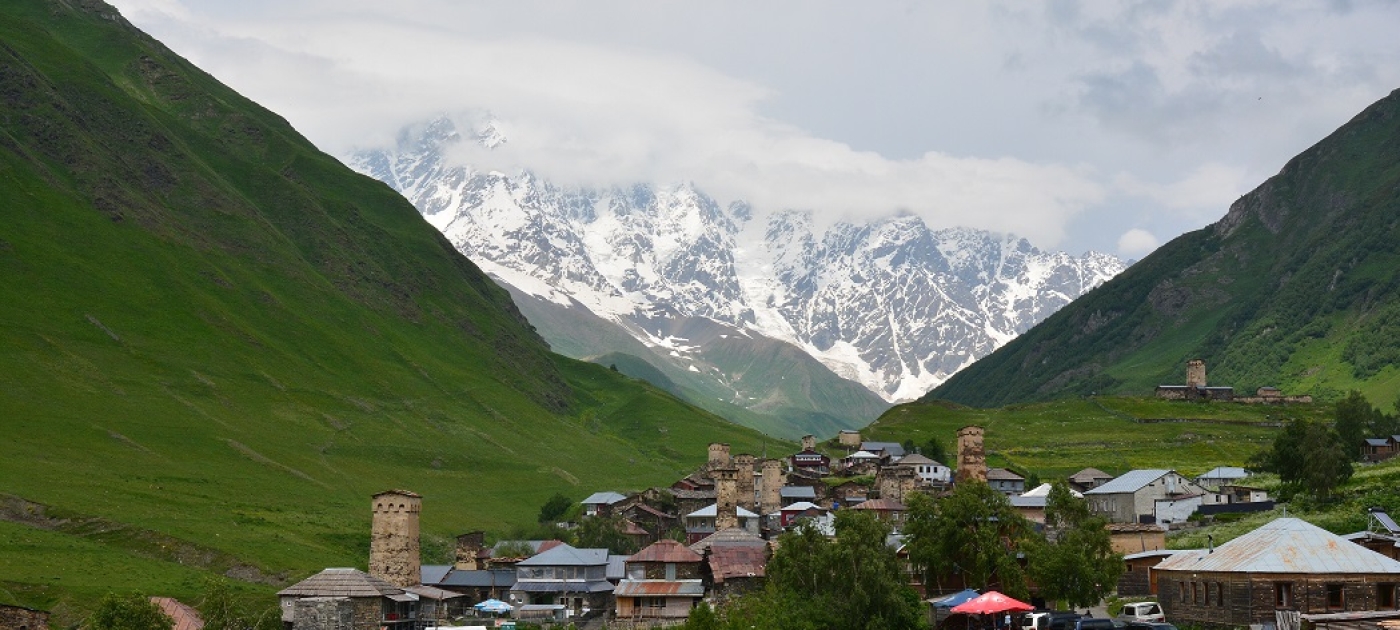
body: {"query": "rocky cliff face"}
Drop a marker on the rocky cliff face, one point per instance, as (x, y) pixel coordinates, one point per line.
(891, 304)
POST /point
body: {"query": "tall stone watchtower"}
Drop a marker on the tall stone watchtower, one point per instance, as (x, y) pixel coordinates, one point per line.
(1195, 373)
(393, 541)
(972, 460)
(809, 442)
(469, 546)
(726, 506)
(743, 481)
(719, 455)
(770, 498)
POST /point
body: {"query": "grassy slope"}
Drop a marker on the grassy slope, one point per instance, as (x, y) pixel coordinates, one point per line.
(1297, 287)
(216, 342)
(1056, 439)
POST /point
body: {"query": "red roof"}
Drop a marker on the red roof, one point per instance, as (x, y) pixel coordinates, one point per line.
(666, 551)
(547, 545)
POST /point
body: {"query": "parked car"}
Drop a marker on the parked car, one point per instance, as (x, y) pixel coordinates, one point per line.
(1142, 611)
(1094, 623)
(1059, 620)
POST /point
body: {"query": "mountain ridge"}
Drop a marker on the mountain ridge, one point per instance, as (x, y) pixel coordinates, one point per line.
(1294, 287)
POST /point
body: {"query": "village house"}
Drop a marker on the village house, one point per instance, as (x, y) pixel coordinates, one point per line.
(928, 470)
(1288, 564)
(1381, 448)
(736, 562)
(563, 575)
(860, 463)
(811, 462)
(473, 584)
(601, 503)
(663, 582)
(656, 523)
(1222, 475)
(701, 523)
(848, 493)
(788, 495)
(888, 452)
(1132, 497)
(887, 510)
(1030, 507)
(347, 599)
(1005, 481)
(790, 514)
(1088, 479)
(1382, 535)
(848, 438)
(1138, 578)
(1136, 537)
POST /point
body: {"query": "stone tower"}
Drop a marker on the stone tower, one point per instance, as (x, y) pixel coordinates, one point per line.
(896, 482)
(726, 507)
(745, 496)
(719, 455)
(1195, 373)
(770, 499)
(972, 460)
(809, 442)
(468, 546)
(393, 540)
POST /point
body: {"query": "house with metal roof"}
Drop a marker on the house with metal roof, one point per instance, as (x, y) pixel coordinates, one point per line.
(564, 575)
(1005, 481)
(787, 495)
(1138, 578)
(1132, 497)
(348, 599)
(701, 522)
(663, 582)
(928, 470)
(602, 503)
(1288, 564)
(890, 451)
(475, 585)
(1222, 475)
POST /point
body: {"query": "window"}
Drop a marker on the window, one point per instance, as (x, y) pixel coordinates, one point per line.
(1283, 594)
(655, 602)
(1181, 589)
(1385, 596)
(1335, 599)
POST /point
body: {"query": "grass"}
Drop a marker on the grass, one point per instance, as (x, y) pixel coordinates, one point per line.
(1056, 439)
(216, 343)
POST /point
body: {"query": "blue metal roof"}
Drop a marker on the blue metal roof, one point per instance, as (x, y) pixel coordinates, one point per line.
(567, 556)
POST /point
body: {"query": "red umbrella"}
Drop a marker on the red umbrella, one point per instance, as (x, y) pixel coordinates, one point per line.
(992, 602)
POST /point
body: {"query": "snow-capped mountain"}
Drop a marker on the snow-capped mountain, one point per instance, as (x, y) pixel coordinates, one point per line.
(891, 304)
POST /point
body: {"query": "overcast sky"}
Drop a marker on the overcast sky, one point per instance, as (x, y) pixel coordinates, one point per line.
(1113, 126)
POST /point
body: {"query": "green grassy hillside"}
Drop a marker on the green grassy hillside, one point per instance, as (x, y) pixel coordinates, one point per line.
(216, 342)
(1114, 434)
(1298, 287)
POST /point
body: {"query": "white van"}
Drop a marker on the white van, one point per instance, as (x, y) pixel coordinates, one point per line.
(1142, 611)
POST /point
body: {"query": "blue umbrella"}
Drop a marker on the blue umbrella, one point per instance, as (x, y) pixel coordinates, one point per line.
(493, 606)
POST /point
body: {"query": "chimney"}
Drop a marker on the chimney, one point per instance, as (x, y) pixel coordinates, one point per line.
(726, 509)
(468, 546)
(393, 541)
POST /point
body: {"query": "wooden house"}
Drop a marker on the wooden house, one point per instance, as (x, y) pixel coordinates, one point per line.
(663, 582)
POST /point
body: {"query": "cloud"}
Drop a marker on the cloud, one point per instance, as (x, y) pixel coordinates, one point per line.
(1007, 116)
(1136, 243)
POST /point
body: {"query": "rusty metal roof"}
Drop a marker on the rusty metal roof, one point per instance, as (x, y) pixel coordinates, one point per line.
(1285, 545)
(737, 561)
(655, 588)
(665, 550)
(884, 505)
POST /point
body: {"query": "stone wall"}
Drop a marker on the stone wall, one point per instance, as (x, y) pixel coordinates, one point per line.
(743, 482)
(770, 498)
(718, 455)
(1229, 599)
(326, 613)
(468, 546)
(726, 503)
(21, 618)
(849, 439)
